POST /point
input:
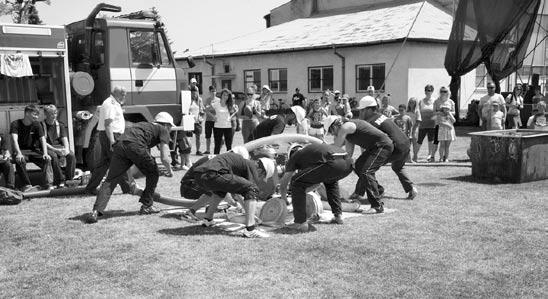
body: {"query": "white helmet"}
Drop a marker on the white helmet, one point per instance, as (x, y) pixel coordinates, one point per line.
(329, 120)
(269, 167)
(164, 117)
(242, 151)
(367, 101)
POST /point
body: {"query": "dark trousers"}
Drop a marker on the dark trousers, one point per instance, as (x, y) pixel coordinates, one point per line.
(398, 159)
(102, 165)
(366, 166)
(329, 174)
(23, 175)
(126, 154)
(218, 134)
(9, 174)
(60, 175)
(223, 182)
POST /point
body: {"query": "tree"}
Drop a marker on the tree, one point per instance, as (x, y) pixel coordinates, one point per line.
(22, 11)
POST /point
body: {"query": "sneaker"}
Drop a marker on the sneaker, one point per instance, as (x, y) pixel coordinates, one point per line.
(206, 153)
(354, 198)
(190, 217)
(300, 227)
(208, 223)
(184, 167)
(256, 233)
(198, 153)
(412, 194)
(375, 210)
(61, 186)
(26, 188)
(430, 159)
(148, 210)
(92, 217)
(337, 219)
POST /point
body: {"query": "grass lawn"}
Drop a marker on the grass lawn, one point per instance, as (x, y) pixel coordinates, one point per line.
(458, 238)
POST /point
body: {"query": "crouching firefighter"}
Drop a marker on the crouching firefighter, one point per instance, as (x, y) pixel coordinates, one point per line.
(133, 148)
(231, 173)
(311, 165)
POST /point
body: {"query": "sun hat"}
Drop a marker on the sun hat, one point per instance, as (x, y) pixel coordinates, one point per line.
(164, 117)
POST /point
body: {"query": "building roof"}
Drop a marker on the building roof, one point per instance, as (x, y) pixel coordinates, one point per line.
(359, 28)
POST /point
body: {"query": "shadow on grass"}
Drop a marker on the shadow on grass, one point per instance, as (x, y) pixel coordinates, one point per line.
(288, 231)
(431, 184)
(396, 198)
(194, 230)
(484, 181)
(109, 214)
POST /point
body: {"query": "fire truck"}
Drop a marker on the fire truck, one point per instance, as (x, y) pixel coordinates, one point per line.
(76, 66)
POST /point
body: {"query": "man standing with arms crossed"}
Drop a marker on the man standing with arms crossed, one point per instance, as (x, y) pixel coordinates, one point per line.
(111, 126)
(210, 118)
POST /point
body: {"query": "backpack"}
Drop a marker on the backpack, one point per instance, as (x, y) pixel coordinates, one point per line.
(10, 196)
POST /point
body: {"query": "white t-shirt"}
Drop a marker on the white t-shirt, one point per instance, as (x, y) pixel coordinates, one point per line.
(223, 116)
(111, 109)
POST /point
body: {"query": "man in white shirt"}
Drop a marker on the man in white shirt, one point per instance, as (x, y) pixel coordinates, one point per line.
(485, 103)
(110, 127)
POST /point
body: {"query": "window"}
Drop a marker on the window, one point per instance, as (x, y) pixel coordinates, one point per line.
(226, 67)
(163, 58)
(277, 80)
(252, 77)
(320, 78)
(226, 84)
(369, 75)
(142, 47)
(482, 78)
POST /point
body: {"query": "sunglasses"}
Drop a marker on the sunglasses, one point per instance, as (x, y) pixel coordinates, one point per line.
(443, 91)
(249, 94)
(490, 87)
(428, 90)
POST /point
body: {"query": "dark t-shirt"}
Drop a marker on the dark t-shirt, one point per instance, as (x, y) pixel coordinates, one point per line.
(387, 125)
(27, 136)
(231, 163)
(51, 133)
(189, 175)
(312, 155)
(366, 135)
(146, 134)
(298, 99)
(273, 125)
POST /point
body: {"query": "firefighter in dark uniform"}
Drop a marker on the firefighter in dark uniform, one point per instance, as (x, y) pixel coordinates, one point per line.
(133, 149)
(275, 124)
(231, 173)
(378, 148)
(311, 165)
(368, 112)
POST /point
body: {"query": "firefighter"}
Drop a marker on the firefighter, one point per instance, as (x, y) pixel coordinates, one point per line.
(275, 124)
(232, 173)
(378, 148)
(311, 165)
(368, 112)
(133, 148)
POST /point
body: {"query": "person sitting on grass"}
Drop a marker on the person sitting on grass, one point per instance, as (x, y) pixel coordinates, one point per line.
(231, 173)
(311, 165)
(28, 135)
(133, 148)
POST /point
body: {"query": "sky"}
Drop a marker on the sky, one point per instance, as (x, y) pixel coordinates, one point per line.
(191, 24)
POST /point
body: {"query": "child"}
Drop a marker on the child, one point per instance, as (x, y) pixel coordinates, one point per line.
(446, 132)
(404, 122)
(537, 121)
(316, 116)
(414, 113)
(496, 117)
(514, 118)
(387, 109)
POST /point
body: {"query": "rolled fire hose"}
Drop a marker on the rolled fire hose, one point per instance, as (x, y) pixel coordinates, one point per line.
(55, 192)
(280, 138)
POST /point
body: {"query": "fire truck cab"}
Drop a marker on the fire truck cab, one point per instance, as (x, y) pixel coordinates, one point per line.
(130, 51)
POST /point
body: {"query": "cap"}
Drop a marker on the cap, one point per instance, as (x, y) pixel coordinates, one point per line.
(164, 117)
(293, 148)
(367, 101)
(346, 96)
(328, 121)
(242, 151)
(336, 92)
(370, 88)
(267, 88)
(300, 113)
(269, 167)
(448, 106)
(193, 80)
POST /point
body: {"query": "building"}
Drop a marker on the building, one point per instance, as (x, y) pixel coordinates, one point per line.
(347, 45)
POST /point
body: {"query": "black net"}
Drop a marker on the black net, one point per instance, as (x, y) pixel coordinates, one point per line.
(493, 32)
